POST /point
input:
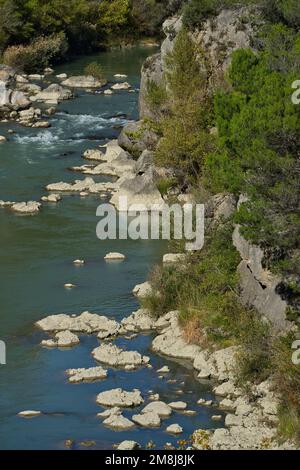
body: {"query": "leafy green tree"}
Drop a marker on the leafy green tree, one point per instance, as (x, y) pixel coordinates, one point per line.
(9, 22)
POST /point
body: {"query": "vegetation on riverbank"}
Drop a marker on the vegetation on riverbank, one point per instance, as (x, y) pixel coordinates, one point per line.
(86, 25)
(240, 138)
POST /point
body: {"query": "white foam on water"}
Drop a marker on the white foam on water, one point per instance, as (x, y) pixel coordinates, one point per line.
(45, 138)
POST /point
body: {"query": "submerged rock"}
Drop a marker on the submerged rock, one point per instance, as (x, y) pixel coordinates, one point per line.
(114, 257)
(128, 445)
(29, 413)
(79, 262)
(85, 323)
(121, 398)
(178, 405)
(114, 356)
(86, 375)
(174, 429)
(3, 139)
(84, 81)
(53, 94)
(147, 420)
(121, 86)
(158, 407)
(163, 370)
(116, 421)
(30, 207)
(63, 339)
(51, 198)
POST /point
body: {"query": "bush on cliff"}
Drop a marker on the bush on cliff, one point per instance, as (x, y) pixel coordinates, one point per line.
(258, 151)
(184, 126)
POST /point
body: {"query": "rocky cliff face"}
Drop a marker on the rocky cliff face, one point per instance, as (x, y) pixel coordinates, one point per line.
(218, 38)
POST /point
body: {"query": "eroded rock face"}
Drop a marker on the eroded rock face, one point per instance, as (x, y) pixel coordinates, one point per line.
(152, 71)
(84, 323)
(258, 285)
(120, 398)
(114, 356)
(221, 35)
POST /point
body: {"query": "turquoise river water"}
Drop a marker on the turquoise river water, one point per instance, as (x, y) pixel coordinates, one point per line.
(36, 254)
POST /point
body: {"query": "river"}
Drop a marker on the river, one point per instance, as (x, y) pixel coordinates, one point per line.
(36, 254)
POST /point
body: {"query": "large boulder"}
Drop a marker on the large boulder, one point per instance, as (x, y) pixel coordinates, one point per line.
(137, 137)
(7, 74)
(139, 189)
(84, 81)
(114, 356)
(53, 94)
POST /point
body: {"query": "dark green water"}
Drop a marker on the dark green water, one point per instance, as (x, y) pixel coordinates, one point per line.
(36, 255)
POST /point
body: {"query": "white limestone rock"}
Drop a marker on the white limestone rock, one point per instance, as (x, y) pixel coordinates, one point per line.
(118, 422)
(147, 420)
(158, 407)
(174, 429)
(178, 405)
(29, 413)
(116, 357)
(114, 257)
(86, 375)
(86, 322)
(140, 320)
(128, 445)
(120, 398)
(30, 207)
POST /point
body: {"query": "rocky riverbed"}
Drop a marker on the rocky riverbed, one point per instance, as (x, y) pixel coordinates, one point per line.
(59, 266)
(133, 366)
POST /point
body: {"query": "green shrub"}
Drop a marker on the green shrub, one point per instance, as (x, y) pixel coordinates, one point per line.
(156, 96)
(36, 56)
(184, 125)
(164, 185)
(95, 70)
(195, 11)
